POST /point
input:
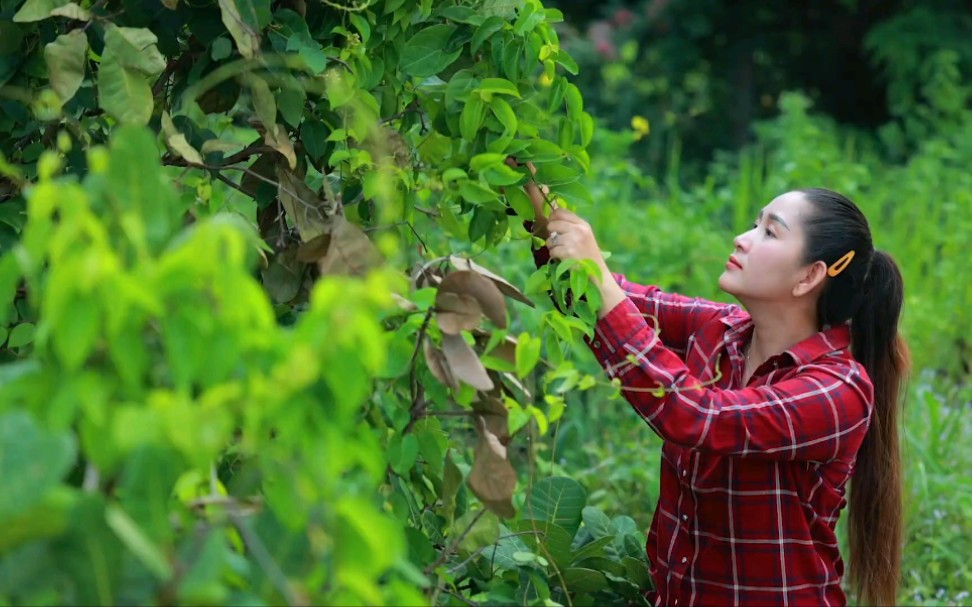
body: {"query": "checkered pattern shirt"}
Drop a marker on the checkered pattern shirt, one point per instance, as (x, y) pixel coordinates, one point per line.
(752, 476)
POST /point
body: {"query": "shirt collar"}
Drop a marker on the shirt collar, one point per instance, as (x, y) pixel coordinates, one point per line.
(830, 339)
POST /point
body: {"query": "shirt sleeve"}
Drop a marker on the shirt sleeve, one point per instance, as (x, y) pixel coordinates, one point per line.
(675, 317)
(814, 415)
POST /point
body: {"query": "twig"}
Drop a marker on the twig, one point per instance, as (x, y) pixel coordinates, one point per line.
(416, 389)
(444, 556)
(455, 568)
(460, 597)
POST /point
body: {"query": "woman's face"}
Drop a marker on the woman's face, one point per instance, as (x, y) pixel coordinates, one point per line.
(767, 262)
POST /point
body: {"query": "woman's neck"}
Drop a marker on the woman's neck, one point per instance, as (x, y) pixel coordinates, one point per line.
(777, 329)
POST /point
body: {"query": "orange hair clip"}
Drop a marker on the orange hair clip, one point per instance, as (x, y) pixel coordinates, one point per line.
(841, 264)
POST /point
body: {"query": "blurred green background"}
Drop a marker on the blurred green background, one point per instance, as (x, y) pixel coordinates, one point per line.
(707, 110)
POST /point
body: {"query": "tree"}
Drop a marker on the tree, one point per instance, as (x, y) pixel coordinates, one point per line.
(235, 315)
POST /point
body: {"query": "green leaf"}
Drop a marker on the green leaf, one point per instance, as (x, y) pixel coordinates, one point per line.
(597, 523)
(134, 49)
(21, 335)
(505, 114)
(471, 117)
(546, 538)
(481, 161)
(263, 102)
(136, 183)
(490, 26)
(484, 532)
(477, 193)
(502, 175)
(581, 580)
(573, 193)
(244, 33)
(558, 499)
(499, 86)
(290, 102)
(527, 354)
(460, 85)
(554, 175)
(65, 59)
(136, 541)
(72, 11)
(591, 549)
(462, 14)
(124, 93)
(425, 53)
(75, 334)
(361, 24)
(37, 10)
(221, 49)
(541, 151)
(520, 202)
(505, 9)
(575, 102)
(32, 462)
(402, 453)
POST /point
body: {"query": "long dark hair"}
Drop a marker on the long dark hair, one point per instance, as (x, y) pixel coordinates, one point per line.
(869, 292)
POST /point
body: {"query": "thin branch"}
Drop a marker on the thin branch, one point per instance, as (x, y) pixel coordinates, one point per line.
(444, 556)
(455, 568)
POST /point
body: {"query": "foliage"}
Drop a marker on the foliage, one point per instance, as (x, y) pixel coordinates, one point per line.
(229, 230)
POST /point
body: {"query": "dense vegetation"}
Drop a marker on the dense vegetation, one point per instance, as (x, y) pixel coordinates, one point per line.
(248, 356)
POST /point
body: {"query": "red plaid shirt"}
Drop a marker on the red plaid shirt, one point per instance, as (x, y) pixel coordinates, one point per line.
(752, 477)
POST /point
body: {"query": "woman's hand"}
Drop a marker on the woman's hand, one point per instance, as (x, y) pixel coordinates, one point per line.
(572, 238)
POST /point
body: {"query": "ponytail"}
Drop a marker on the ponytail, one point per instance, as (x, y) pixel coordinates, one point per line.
(875, 514)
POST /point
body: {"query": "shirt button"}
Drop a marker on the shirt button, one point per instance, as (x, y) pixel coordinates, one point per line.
(684, 517)
(684, 559)
(597, 344)
(683, 473)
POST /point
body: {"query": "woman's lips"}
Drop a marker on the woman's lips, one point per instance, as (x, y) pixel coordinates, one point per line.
(733, 263)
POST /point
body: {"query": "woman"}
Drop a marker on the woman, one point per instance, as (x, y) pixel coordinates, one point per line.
(769, 409)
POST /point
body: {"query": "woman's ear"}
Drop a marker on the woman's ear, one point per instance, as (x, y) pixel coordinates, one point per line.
(812, 277)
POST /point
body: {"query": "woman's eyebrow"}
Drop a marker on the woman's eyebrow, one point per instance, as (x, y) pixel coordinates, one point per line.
(773, 217)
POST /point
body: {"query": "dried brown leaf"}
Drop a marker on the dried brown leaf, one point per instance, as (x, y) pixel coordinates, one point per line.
(461, 263)
(308, 211)
(438, 365)
(483, 290)
(464, 363)
(456, 312)
(314, 249)
(492, 478)
(350, 251)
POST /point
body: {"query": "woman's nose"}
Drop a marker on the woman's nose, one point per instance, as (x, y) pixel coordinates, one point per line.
(741, 242)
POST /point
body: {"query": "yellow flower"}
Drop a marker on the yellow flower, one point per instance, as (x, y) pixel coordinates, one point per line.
(641, 127)
(545, 80)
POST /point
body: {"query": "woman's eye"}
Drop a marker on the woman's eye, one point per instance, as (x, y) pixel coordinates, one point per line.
(770, 234)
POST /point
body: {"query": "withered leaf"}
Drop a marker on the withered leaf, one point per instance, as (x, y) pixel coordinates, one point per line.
(438, 365)
(307, 210)
(495, 415)
(276, 137)
(456, 312)
(492, 478)
(483, 290)
(350, 250)
(464, 363)
(314, 249)
(461, 263)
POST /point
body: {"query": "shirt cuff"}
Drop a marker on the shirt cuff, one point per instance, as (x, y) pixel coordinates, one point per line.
(615, 330)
